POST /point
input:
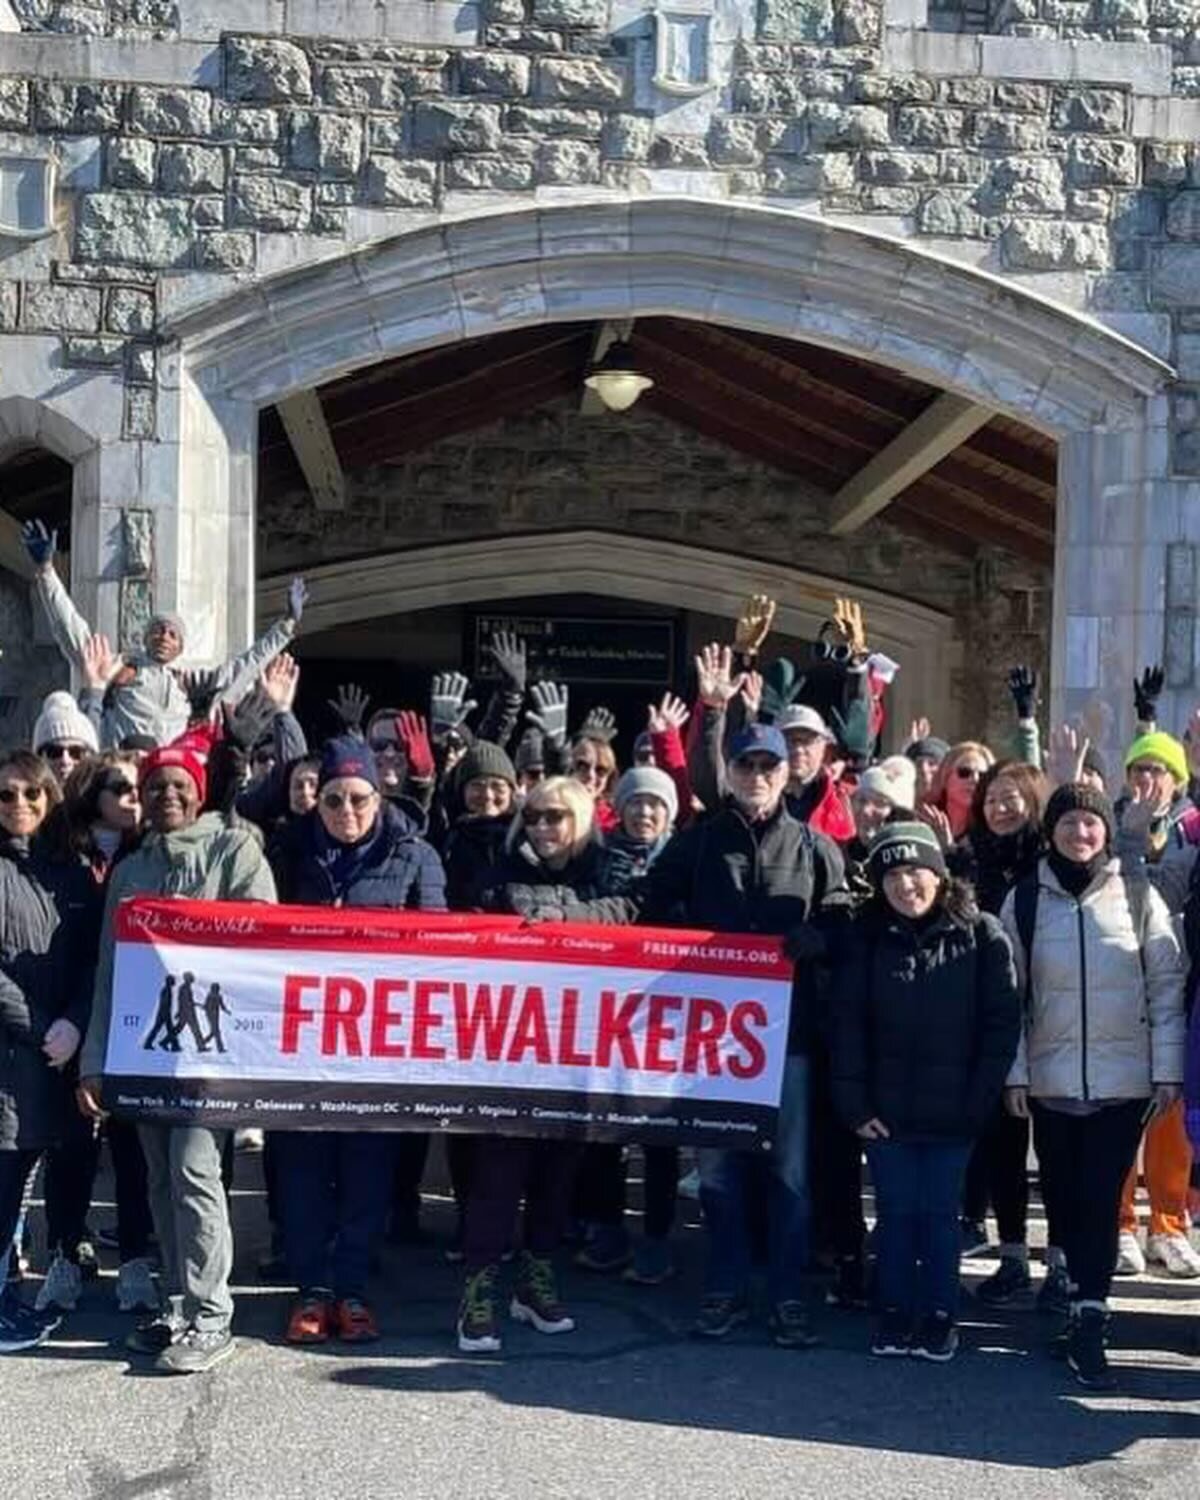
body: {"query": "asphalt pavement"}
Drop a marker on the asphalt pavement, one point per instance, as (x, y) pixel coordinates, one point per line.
(627, 1406)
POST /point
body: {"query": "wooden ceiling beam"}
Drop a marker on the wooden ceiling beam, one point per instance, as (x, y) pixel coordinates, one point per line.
(308, 432)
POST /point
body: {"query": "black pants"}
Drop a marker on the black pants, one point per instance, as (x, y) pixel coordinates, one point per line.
(409, 1152)
(134, 1224)
(598, 1196)
(15, 1167)
(997, 1176)
(660, 1186)
(1084, 1160)
(70, 1175)
(834, 1168)
(508, 1169)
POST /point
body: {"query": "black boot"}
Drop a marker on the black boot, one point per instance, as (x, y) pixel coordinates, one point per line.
(1086, 1350)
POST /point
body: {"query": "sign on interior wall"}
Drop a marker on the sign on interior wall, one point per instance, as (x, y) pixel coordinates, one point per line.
(573, 648)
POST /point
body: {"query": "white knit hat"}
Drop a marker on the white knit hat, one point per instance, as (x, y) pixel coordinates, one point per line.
(893, 779)
(62, 719)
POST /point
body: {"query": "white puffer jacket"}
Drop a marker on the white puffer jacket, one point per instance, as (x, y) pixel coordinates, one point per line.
(1102, 1020)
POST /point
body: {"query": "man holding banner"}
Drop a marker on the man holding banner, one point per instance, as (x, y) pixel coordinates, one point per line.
(754, 868)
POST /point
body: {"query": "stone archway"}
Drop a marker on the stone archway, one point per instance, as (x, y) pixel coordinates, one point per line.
(750, 267)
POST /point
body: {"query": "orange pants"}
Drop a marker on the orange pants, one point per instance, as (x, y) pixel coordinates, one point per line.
(1167, 1165)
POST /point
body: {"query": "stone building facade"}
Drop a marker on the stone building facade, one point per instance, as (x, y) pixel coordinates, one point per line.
(245, 198)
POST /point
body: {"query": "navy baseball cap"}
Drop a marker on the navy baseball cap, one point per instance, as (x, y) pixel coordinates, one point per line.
(758, 739)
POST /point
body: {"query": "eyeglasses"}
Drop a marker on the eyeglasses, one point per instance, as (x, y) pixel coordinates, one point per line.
(63, 752)
(118, 788)
(586, 769)
(552, 816)
(355, 800)
(968, 773)
(32, 795)
(755, 765)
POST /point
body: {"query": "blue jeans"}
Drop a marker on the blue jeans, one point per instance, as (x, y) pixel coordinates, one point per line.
(731, 1181)
(918, 1198)
(333, 1189)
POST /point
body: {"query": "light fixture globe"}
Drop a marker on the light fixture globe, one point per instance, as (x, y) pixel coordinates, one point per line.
(616, 379)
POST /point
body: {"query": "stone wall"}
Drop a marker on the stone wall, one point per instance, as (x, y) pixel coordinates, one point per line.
(641, 475)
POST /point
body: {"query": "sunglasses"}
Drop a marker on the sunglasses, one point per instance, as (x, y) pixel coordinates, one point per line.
(552, 816)
(586, 768)
(32, 794)
(63, 752)
(118, 787)
(968, 773)
(755, 765)
(383, 747)
(354, 800)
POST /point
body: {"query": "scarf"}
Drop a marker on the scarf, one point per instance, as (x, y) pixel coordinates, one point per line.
(343, 863)
(1073, 876)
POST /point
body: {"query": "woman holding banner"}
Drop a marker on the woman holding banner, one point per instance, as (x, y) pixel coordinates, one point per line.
(354, 849)
(553, 872)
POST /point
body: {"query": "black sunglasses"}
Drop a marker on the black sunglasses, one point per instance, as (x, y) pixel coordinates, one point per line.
(63, 752)
(32, 794)
(554, 816)
(357, 800)
(118, 786)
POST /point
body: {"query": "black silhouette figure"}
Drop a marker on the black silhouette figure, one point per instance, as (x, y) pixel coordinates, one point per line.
(214, 1007)
(163, 1021)
(186, 1013)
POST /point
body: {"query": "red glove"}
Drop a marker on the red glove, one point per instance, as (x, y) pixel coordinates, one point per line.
(413, 735)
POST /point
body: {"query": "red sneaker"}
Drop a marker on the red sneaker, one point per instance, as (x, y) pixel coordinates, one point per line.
(311, 1321)
(355, 1321)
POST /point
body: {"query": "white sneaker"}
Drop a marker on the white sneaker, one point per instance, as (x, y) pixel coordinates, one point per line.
(248, 1139)
(136, 1291)
(1175, 1252)
(1130, 1260)
(62, 1286)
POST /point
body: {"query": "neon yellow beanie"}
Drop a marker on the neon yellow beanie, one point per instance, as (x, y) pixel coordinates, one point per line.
(1160, 746)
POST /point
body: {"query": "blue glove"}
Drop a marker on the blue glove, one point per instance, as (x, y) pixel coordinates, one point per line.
(39, 543)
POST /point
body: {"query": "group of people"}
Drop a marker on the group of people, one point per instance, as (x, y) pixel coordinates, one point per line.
(986, 949)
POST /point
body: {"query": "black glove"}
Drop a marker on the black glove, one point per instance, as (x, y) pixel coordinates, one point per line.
(1023, 685)
(200, 685)
(804, 943)
(1146, 692)
(349, 705)
(250, 720)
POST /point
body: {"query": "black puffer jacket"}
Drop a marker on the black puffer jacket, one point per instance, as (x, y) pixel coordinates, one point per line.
(49, 930)
(925, 1022)
(524, 885)
(993, 864)
(472, 853)
(399, 870)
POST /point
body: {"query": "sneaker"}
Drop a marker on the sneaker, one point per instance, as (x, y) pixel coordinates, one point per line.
(87, 1259)
(606, 1249)
(1130, 1260)
(249, 1138)
(1086, 1353)
(153, 1335)
(653, 1263)
(790, 1327)
(936, 1339)
(196, 1352)
(1010, 1280)
(62, 1286)
(535, 1297)
(136, 1291)
(311, 1320)
(1054, 1294)
(1174, 1252)
(849, 1287)
(21, 1327)
(478, 1331)
(354, 1322)
(719, 1315)
(973, 1237)
(891, 1338)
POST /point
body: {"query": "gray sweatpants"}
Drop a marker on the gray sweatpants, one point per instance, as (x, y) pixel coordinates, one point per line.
(191, 1219)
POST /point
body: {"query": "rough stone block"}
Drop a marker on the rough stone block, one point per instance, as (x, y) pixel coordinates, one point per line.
(129, 311)
(137, 541)
(917, 126)
(455, 126)
(1164, 163)
(500, 173)
(1097, 162)
(568, 162)
(1093, 205)
(330, 144)
(1024, 185)
(379, 88)
(14, 104)
(1004, 132)
(1183, 215)
(402, 184)
(858, 23)
(1030, 98)
(131, 162)
(78, 107)
(84, 353)
(682, 152)
(571, 14)
(559, 120)
(246, 126)
(949, 215)
(897, 168)
(270, 203)
(627, 137)
(225, 250)
(579, 80)
(1097, 110)
(505, 74)
(504, 12)
(257, 158)
(209, 212)
(795, 20)
(1137, 213)
(165, 111)
(733, 142)
(266, 70)
(9, 304)
(141, 229)
(139, 418)
(60, 309)
(191, 169)
(793, 179)
(1041, 245)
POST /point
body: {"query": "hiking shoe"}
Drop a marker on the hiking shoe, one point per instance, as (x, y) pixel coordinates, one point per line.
(354, 1321)
(790, 1326)
(1175, 1254)
(196, 1352)
(849, 1287)
(153, 1335)
(1130, 1260)
(719, 1315)
(478, 1330)
(1054, 1294)
(535, 1297)
(1010, 1280)
(973, 1238)
(136, 1291)
(936, 1339)
(1086, 1352)
(606, 1249)
(653, 1263)
(891, 1337)
(311, 1320)
(62, 1286)
(21, 1327)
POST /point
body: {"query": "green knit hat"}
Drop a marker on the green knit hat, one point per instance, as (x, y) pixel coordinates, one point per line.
(1162, 747)
(898, 844)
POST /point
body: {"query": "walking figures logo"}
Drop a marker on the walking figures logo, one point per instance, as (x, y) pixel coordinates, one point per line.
(178, 1013)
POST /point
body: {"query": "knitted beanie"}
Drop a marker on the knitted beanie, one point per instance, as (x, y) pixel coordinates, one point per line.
(531, 751)
(185, 759)
(929, 748)
(62, 719)
(899, 844)
(893, 779)
(1077, 796)
(164, 617)
(347, 755)
(1160, 746)
(1093, 761)
(486, 759)
(647, 781)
